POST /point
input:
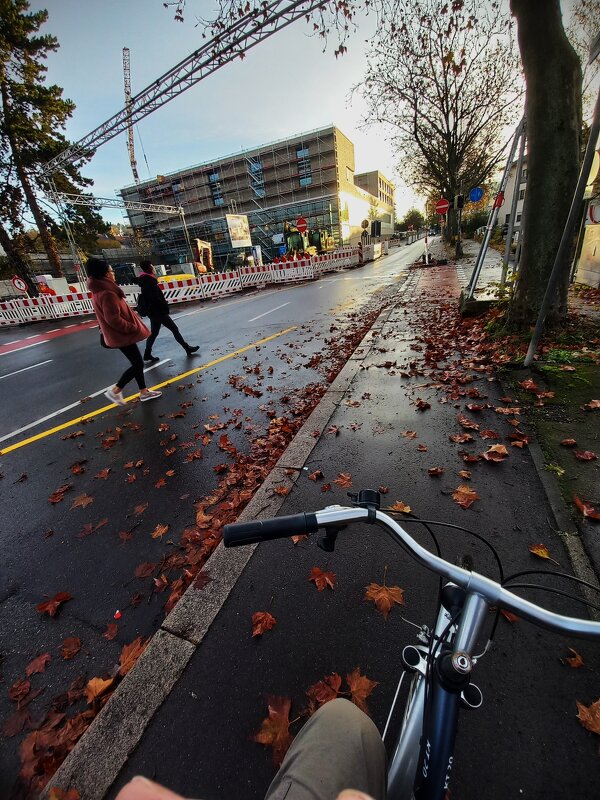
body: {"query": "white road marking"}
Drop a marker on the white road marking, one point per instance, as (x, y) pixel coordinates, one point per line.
(69, 407)
(32, 336)
(33, 366)
(283, 305)
(26, 347)
(53, 330)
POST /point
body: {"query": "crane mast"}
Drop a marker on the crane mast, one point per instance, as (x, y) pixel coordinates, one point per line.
(127, 85)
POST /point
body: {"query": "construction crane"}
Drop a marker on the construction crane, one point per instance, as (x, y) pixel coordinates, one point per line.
(127, 85)
(248, 31)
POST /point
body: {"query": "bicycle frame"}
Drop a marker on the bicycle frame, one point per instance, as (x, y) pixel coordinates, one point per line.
(421, 762)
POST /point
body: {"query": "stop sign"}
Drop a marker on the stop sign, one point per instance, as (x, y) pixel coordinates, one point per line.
(442, 206)
(301, 224)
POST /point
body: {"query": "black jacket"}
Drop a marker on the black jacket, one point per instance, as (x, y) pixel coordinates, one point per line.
(153, 300)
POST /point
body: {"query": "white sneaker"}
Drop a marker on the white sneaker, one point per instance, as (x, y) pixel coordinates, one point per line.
(150, 395)
(115, 397)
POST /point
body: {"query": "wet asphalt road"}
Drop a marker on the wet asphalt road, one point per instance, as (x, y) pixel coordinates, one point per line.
(55, 548)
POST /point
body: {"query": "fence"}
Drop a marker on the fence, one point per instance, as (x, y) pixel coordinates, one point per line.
(30, 309)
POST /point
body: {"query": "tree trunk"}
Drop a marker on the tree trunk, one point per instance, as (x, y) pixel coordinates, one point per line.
(553, 111)
(18, 261)
(45, 235)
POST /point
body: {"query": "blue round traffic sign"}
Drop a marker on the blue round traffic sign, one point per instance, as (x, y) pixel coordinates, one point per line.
(476, 194)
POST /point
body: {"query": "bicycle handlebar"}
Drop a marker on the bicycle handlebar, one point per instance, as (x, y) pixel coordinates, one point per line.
(241, 533)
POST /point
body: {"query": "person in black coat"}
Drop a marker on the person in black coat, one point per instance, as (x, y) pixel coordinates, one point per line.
(154, 305)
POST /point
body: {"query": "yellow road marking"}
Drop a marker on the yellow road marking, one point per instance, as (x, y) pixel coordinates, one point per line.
(176, 379)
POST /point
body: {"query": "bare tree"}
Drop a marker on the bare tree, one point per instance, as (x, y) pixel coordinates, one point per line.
(444, 77)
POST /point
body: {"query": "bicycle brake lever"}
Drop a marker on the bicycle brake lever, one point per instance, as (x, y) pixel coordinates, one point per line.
(327, 542)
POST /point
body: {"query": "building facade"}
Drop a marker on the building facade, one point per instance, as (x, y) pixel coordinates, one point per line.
(311, 175)
(509, 192)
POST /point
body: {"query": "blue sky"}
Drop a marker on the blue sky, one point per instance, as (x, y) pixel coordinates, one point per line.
(284, 86)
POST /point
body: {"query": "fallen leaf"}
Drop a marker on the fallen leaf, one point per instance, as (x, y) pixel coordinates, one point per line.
(317, 475)
(19, 690)
(70, 647)
(130, 654)
(542, 551)
(497, 452)
(588, 510)
(465, 496)
(589, 716)
(585, 455)
(422, 448)
(465, 473)
(422, 405)
(50, 607)
(591, 405)
(384, 597)
(160, 483)
(144, 570)
(282, 490)
(459, 438)
(529, 385)
(323, 691)
(103, 474)
(159, 531)
(382, 489)
(435, 471)
(274, 731)
(298, 538)
(409, 434)
(73, 435)
(111, 631)
(334, 430)
(38, 664)
(131, 477)
(400, 506)
(467, 423)
(575, 661)
(326, 487)
(569, 443)
(360, 688)
(96, 687)
(140, 509)
(78, 467)
(344, 480)
(195, 455)
(262, 621)
(489, 434)
(56, 793)
(59, 495)
(322, 579)
(82, 501)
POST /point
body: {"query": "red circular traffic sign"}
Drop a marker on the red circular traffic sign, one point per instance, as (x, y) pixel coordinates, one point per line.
(19, 284)
(442, 206)
(301, 224)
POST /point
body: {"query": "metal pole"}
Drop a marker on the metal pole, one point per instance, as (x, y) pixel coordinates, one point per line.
(513, 211)
(567, 235)
(470, 289)
(186, 233)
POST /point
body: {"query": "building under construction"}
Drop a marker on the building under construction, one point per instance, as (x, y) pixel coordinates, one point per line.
(309, 176)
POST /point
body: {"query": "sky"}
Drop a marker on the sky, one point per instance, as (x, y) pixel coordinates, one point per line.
(284, 86)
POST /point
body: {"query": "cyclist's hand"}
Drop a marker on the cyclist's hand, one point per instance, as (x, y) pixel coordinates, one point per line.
(351, 794)
(142, 789)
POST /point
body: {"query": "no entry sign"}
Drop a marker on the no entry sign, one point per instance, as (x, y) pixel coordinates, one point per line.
(301, 224)
(442, 206)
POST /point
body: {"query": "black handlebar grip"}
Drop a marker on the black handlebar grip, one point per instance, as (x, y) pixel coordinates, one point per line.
(239, 533)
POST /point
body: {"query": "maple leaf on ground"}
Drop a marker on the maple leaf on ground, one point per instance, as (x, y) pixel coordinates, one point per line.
(467, 423)
(459, 438)
(542, 551)
(274, 731)
(38, 664)
(585, 455)
(56, 793)
(465, 496)
(529, 386)
(323, 691)
(130, 654)
(400, 506)
(589, 716)
(382, 489)
(111, 631)
(59, 495)
(360, 688)
(334, 430)
(298, 538)
(422, 448)
(575, 661)
(103, 474)
(409, 434)
(140, 509)
(262, 621)
(422, 405)
(322, 579)
(144, 570)
(384, 597)
(588, 510)
(435, 471)
(317, 475)
(593, 404)
(344, 480)
(326, 487)
(96, 687)
(497, 452)
(50, 607)
(159, 531)
(19, 690)
(78, 468)
(82, 501)
(70, 647)
(569, 443)
(282, 490)
(465, 473)
(160, 483)
(489, 434)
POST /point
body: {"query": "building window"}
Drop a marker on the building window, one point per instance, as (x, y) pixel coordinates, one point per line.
(215, 189)
(304, 168)
(523, 174)
(506, 219)
(522, 194)
(518, 218)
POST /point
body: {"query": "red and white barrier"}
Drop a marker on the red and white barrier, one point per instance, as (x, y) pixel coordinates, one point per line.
(48, 307)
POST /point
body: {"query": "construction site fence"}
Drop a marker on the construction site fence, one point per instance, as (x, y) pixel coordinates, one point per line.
(205, 287)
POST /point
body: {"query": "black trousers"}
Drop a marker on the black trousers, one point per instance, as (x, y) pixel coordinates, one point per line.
(136, 370)
(155, 326)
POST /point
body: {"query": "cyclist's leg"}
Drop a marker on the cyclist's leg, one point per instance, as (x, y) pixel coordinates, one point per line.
(338, 748)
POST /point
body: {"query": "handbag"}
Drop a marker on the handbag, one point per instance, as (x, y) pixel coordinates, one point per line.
(142, 306)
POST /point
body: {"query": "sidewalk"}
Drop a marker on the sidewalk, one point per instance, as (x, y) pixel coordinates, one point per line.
(525, 742)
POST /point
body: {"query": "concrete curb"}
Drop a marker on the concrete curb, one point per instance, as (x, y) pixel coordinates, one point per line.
(95, 762)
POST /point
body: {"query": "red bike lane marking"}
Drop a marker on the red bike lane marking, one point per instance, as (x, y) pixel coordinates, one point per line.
(46, 337)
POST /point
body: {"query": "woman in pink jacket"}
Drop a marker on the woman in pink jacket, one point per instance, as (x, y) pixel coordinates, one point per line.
(120, 326)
